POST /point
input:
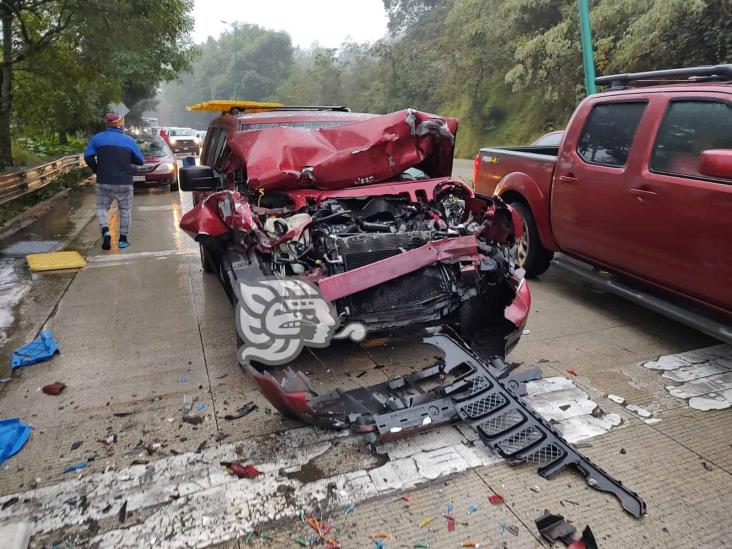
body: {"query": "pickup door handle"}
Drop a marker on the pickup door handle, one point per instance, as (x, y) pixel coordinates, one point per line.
(642, 191)
(569, 178)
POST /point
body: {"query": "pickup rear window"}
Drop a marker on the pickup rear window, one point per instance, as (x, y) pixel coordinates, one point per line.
(608, 133)
(689, 128)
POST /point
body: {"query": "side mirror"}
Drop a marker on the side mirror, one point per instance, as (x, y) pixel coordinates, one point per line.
(716, 163)
(197, 178)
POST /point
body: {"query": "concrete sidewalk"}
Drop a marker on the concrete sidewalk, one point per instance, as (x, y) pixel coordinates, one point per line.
(141, 328)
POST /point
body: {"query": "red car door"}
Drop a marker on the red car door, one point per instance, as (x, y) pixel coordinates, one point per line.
(684, 241)
(589, 213)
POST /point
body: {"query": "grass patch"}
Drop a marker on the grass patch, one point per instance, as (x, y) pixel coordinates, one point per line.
(69, 180)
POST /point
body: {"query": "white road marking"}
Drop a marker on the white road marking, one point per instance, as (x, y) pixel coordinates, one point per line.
(706, 375)
(190, 500)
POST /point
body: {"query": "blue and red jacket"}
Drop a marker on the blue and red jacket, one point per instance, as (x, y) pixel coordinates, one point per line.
(110, 154)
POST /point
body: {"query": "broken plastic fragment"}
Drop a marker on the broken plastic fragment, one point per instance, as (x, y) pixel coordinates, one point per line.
(495, 499)
(616, 399)
(75, 467)
(53, 388)
(241, 471)
(470, 543)
(451, 525)
(426, 521)
(571, 371)
(349, 508)
(473, 509)
(554, 527)
(40, 349)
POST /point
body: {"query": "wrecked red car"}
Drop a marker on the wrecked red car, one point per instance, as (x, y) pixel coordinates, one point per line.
(361, 205)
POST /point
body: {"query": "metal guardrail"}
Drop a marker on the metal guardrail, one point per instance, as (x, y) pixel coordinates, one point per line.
(17, 184)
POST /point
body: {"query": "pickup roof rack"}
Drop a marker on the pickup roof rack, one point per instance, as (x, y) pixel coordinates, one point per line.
(708, 73)
(233, 106)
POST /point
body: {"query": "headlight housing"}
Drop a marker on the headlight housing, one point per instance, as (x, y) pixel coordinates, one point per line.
(165, 167)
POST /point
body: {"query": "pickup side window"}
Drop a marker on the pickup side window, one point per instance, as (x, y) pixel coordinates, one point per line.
(608, 133)
(689, 128)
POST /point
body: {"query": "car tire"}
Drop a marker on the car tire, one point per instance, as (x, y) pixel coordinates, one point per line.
(174, 186)
(207, 263)
(532, 256)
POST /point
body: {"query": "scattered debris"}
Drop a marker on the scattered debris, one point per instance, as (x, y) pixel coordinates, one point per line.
(13, 436)
(450, 523)
(245, 410)
(470, 543)
(495, 499)
(122, 513)
(193, 420)
(473, 509)
(642, 412)
(420, 545)
(54, 388)
(622, 451)
(488, 393)
(587, 541)
(241, 471)
(652, 420)
(108, 441)
(187, 404)
(535, 489)
(526, 332)
(9, 502)
(571, 371)
(571, 502)
(76, 445)
(554, 527)
(349, 508)
(707, 466)
(513, 530)
(75, 467)
(426, 521)
(201, 407)
(405, 499)
(616, 399)
(40, 349)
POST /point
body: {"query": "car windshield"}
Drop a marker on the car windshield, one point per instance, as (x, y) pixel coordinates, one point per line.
(155, 146)
(182, 131)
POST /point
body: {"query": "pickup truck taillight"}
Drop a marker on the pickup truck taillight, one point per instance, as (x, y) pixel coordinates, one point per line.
(476, 167)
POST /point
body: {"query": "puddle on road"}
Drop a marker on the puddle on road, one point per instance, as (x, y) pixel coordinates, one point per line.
(23, 248)
(13, 287)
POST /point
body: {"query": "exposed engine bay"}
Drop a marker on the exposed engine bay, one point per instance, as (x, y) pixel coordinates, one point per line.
(408, 248)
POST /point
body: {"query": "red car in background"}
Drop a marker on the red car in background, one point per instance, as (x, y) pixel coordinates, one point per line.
(640, 186)
(160, 167)
(363, 206)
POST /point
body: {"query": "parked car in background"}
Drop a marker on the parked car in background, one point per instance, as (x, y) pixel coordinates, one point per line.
(551, 139)
(184, 140)
(641, 186)
(160, 167)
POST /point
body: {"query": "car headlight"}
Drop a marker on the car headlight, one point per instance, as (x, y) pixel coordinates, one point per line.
(164, 167)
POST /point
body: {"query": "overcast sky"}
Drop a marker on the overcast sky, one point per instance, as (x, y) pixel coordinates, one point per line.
(328, 22)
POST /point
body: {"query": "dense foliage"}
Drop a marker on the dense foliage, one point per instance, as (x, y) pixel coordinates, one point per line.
(65, 61)
(510, 69)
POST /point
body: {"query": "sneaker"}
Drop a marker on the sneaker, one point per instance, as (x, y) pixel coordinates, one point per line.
(106, 240)
(123, 244)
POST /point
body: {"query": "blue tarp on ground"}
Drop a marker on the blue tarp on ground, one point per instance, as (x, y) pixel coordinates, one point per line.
(13, 436)
(40, 349)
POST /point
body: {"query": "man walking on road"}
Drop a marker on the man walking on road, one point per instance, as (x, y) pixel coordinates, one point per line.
(110, 155)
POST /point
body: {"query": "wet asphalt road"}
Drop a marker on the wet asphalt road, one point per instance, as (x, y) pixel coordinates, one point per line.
(142, 328)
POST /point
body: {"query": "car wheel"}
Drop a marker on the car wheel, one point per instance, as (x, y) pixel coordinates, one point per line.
(174, 186)
(207, 262)
(532, 256)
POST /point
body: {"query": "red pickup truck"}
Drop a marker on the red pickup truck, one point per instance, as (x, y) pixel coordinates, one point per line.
(640, 186)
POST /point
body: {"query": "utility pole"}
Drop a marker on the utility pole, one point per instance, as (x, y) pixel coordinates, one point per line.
(588, 56)
(235, 26)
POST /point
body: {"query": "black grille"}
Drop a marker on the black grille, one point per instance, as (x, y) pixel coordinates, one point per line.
(407, 291)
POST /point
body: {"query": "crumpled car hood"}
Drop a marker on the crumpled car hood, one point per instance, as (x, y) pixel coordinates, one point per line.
(361, 153)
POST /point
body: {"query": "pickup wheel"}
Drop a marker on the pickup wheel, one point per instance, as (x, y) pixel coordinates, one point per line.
(531, 255)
